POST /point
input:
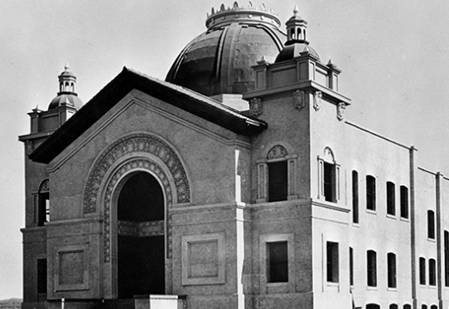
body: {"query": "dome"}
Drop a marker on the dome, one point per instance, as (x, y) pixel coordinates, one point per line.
(66, 99)
(219, 61)
(294, 50)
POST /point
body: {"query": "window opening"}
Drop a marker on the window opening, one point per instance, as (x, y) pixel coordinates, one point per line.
(391, 198)
(432, 272)
(446, 258)
(404, 202)
(329, 182)
(355, 197)
(422, 271)
(372, 268)
(430, 224)
(41, 276)
(277, 256)
(277, 181)
(351, 266)
(391, 261)
(332, 262)
(370, 192)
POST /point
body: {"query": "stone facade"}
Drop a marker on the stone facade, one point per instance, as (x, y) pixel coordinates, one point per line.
(151, 188)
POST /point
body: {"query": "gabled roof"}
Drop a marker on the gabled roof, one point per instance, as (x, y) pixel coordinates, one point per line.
(119, 87)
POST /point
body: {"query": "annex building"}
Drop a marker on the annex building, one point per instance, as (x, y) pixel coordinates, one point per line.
(235, 183)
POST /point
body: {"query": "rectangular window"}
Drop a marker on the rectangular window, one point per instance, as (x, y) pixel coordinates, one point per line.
(432, 272)
(430, 224)
(391, 207)
(391, 261)
(404, 202)
(371, 268)
(351, 267)
(446, 258)
(422, 271)
(277, 181)
(355, 197)
(277, 262)
(42, 276)
(332, 261)
(43, 208)
(329, 182)
(370, 192)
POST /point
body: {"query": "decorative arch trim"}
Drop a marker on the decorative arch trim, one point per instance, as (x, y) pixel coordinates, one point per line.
(43, 187)
(136, 143)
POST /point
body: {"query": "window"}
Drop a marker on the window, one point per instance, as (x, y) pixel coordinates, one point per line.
(434, 307)
(404, 202)
(391, 268)
(277, 262)
(432, 272)
(351, 267)
(43, 204)
(355, 197)
(407, 306)
(446, 258)
(276, 176)
(371, 268)
(391, 207)
(372, 306)
(42, 276)
(332, 261)
(423, 306)
(430, 224)
(329, 173)
(277, 181)
(393, 306)
(422, 271)
(370, 193)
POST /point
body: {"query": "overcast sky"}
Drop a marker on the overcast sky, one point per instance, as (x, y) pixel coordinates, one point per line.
(394, 56)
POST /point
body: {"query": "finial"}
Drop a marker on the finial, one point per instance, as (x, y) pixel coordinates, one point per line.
(296, 10)
(236, 5)
(251, 5)
(212, 11)
(222, 7)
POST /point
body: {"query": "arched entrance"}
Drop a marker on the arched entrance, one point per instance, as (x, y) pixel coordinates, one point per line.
(140, 236)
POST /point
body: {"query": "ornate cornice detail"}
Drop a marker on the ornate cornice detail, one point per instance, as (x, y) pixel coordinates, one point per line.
(299, 98)
(317, 100)
(255, 107)
(134, 143)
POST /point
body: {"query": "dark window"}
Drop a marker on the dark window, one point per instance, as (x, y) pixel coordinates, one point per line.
(277, 181)
(370, 192)
(277, 261)
(332, 262)
(446, 258)
(423, 306)
(430, 224)
(329, 182)
(391, 207)
(391, 261)
(42, 276)
(407, 306)
(371, 268)
(422, 271)
(434, 307)
(404, 202)
(372, 306)
(355, 197)
(432, 272)
(351, 266)
(393, 306)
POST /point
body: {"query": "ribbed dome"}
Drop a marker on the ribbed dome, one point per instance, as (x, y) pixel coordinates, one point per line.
(292, 51)
(219, 60)
(66, 99)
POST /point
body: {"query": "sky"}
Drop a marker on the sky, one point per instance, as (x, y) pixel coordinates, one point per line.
(393, 54)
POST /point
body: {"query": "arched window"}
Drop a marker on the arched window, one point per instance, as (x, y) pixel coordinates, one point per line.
(407, 306)
(370, 192)
(434, 307)
(372, 306)
(391, 268)
(423, 306)
(391, 197)
(404, 202)
(42, 207)
(422, 271)
(432, 272)
(276, 176)
(371, 258)
(393, 306)
(329, 172)
(446, 258)
(430, 224)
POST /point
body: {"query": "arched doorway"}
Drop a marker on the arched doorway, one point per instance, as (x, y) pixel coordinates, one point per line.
(140, 236)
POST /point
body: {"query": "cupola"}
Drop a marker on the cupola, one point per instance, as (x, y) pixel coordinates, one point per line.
(296, 29)
(66, 95)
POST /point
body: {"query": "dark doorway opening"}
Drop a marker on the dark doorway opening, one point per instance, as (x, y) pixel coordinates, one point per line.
(141, 257)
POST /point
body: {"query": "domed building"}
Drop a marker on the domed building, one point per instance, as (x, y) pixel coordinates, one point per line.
(236, 183)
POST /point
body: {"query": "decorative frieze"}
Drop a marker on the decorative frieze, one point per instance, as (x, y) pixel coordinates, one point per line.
(255, 107)
(277, 152)
(300, 99)
(341, 107)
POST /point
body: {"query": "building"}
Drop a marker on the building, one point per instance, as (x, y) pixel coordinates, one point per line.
(235, 183)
